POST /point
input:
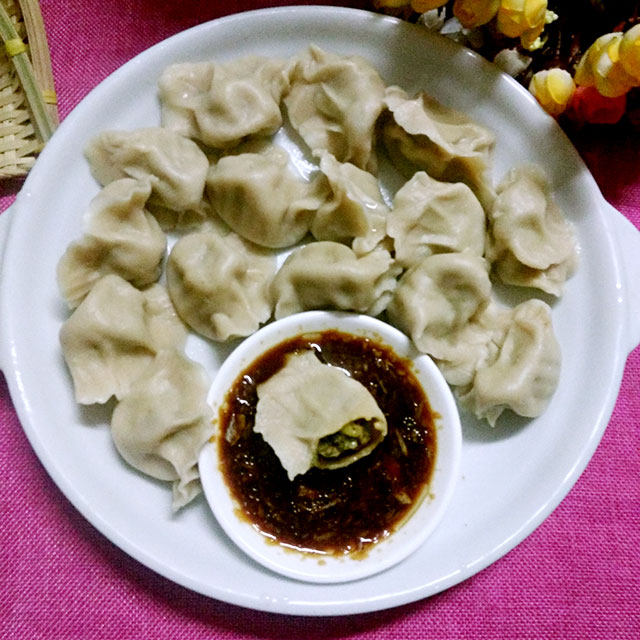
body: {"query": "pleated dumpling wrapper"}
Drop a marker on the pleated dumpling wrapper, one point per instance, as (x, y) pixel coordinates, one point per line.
(314, 414)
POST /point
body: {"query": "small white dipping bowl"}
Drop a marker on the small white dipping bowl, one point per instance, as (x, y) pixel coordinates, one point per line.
(326, 568)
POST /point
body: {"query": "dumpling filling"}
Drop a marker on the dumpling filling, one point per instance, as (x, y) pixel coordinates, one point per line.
(314, 414)
(353, 437)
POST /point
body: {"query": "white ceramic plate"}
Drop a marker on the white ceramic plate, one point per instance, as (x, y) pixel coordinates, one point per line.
(511, 477)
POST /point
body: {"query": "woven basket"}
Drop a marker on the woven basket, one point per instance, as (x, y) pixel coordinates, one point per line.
(20, 141)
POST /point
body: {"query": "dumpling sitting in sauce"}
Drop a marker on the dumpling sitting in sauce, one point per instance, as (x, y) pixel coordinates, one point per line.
(314, 414)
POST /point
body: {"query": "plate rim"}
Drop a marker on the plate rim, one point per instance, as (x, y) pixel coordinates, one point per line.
(19, 395)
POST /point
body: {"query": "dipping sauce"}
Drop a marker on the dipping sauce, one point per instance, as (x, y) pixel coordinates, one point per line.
(337, 511)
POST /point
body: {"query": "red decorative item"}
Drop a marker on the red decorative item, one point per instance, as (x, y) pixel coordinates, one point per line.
(588, 105)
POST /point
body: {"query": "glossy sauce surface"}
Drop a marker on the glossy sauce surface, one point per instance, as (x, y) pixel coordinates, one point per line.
(334, 511)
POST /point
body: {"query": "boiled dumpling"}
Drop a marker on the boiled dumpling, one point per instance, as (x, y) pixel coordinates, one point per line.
(430, 216)
(531, 244)
(261, 199)
(221, 104)
(166, 330)
(441, 304)
(308, 409)
(328, 274)
(121, 237)
(161, 424)
(334, 102)
(353, 211)
(525, 372)
(439, 295)
(183, 221)
(174, 165)
(219, 284)
(114, 334)
(480, 341)
(444, 142)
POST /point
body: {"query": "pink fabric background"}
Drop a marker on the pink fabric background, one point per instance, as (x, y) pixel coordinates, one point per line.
(577, 576)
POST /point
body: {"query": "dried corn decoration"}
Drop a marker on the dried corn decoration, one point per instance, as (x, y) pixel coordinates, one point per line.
(524, 19)
(582, 61)
(630, 52)
(553, 88)
(427, 5)
(610, 67)
(475, 13)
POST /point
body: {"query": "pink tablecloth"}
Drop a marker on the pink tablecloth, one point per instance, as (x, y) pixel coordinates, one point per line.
(576, 577)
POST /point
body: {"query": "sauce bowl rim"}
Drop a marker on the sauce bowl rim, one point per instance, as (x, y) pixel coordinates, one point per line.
(415, 527)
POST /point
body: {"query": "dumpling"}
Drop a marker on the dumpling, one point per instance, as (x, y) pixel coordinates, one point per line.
(353, 211)
(261, 199)
(314, 414)
(333, 103)
(174, 165)
(183, 221)
(424, 134)
(429, 216)
(114, 334)
(220, 104)
(121, 237)
(479, 343)
(162, 423)
(525, 372)
(219, 284)
(441, 304)
(328, 274)
(166, 330)
(439, 295)
(531, 244)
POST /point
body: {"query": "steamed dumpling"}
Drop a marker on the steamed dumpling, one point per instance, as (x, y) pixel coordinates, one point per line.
(438, 296)
(261, 199)
(114, 334)
(333, 103)
(219, 284)
(121, 238)
(328, 274)
(161, 424)
(480, 341)
(174, 165)
(444, 142)
(220, 104)
(525, 372)
(441, 304)
(306, 408)
(430, 216)
(531, 244)
(353, 211)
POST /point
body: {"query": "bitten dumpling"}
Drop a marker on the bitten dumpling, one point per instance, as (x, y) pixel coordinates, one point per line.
(328, 274)
(174, 165)
(221, 104)
(353, 212)
(314, 414)
(219, 284)
(429, 216)
(446, 143)
(114, 334)
(525, 371)
(334, 102)
(121, 238)
(261, 199)
(161, 424)
(441, 304)
(531, 244)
